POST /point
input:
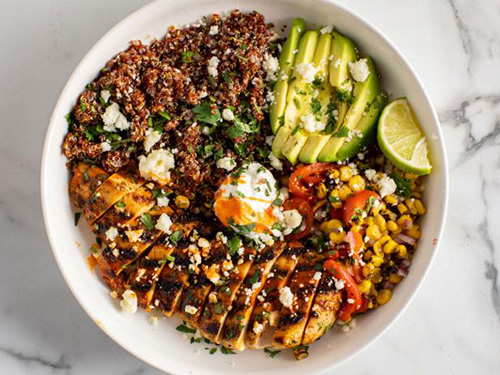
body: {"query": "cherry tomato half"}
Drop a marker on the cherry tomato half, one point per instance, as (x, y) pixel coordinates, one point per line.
(356, 203)
(306, 211)
(355, 241)
(306, 175)
(350, 286)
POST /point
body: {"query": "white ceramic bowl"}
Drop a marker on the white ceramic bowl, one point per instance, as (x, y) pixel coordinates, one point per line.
(164, 347)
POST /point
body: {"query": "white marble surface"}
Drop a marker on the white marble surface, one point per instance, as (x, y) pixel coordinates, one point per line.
(452, 326)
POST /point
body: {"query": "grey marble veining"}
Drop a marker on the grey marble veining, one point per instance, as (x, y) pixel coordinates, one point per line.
(451, 327)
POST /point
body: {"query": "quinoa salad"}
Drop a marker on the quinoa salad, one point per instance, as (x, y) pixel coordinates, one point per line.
(262, 187)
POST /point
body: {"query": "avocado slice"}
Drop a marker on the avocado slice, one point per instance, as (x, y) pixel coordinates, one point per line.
(367, 127)
(315, 101)
(305, 54)
(343, 51)
(286, 60)
(363, 94)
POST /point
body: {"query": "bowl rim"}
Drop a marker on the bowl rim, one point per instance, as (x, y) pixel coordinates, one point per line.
(44, 183)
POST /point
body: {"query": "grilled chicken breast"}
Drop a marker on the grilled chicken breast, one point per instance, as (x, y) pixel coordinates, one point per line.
(232, 299)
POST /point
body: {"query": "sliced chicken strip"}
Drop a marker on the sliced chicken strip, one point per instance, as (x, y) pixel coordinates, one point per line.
(217, 308)
(297, 300)
(85, 180)
(265, 314)
(235, 327)
(324, 310)
(201, 284)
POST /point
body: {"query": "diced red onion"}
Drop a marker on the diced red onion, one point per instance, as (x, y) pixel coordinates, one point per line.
(404, 239)
(388, 285)
(407, 224)
(402, 272)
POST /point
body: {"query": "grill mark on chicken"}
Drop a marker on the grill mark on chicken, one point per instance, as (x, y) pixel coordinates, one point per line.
(85, 180)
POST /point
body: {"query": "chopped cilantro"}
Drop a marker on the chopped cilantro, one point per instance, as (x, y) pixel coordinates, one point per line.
(77, 217)
(184, 328)
(148, 221)
(234, 244)
(272, 353)
(403, 185)
(225, 350)
(176, 236)
(342, 132)
(187, 57)
(294, 131)
(204, 113)
(120, 204)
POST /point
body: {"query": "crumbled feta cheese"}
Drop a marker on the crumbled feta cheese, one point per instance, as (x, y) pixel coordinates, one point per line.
(337, 63)
(359, 70)
(275, 162)
(213, 30)
(386, 186)
(291, 220)
(134, 235)
(339, 284)
(105, 146)
(203, 242)
(157, 165)
(163, 201)
(129, 302)
(270, 97)
(111, 234)
(326, 30)
(286, 296)
(164, 222)
(307, 71)
(271, 66)
(226, 163)
(227, 114)
(105, 95)
(113, 119)
(213, 63)
(371, 174)
(269, 140)
(308, 123)
(317, 275)
(152, 137)
(153, 320)
(221, 237)
(190, 309)
(257, 328)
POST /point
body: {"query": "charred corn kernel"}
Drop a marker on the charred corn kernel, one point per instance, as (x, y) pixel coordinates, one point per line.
(405, 221)
(377, 276)
(411, 176)
(402, 252)
(414, 232)
(318, 205)
(411, 205)
(392, 226)
(334, 174)
(416, 194)
(381, 223)
(330, 226)
(181, 201)
(373, 232)
(344, 192)
(357, 183)
(369, 221)
(367, 255)
(365, 286)
(336, 237)
(390, 247)
(334, 199)
(377, 260)
(385, 239)
(395, 278)
(420, 207)
(389, 214)
(377, 248)
(368, 270)
(321, 191)
(384, 296)
(391, 199)
(402, 208)
(345, 174)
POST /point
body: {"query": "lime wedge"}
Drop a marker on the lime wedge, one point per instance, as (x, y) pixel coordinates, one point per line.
(401, 140)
